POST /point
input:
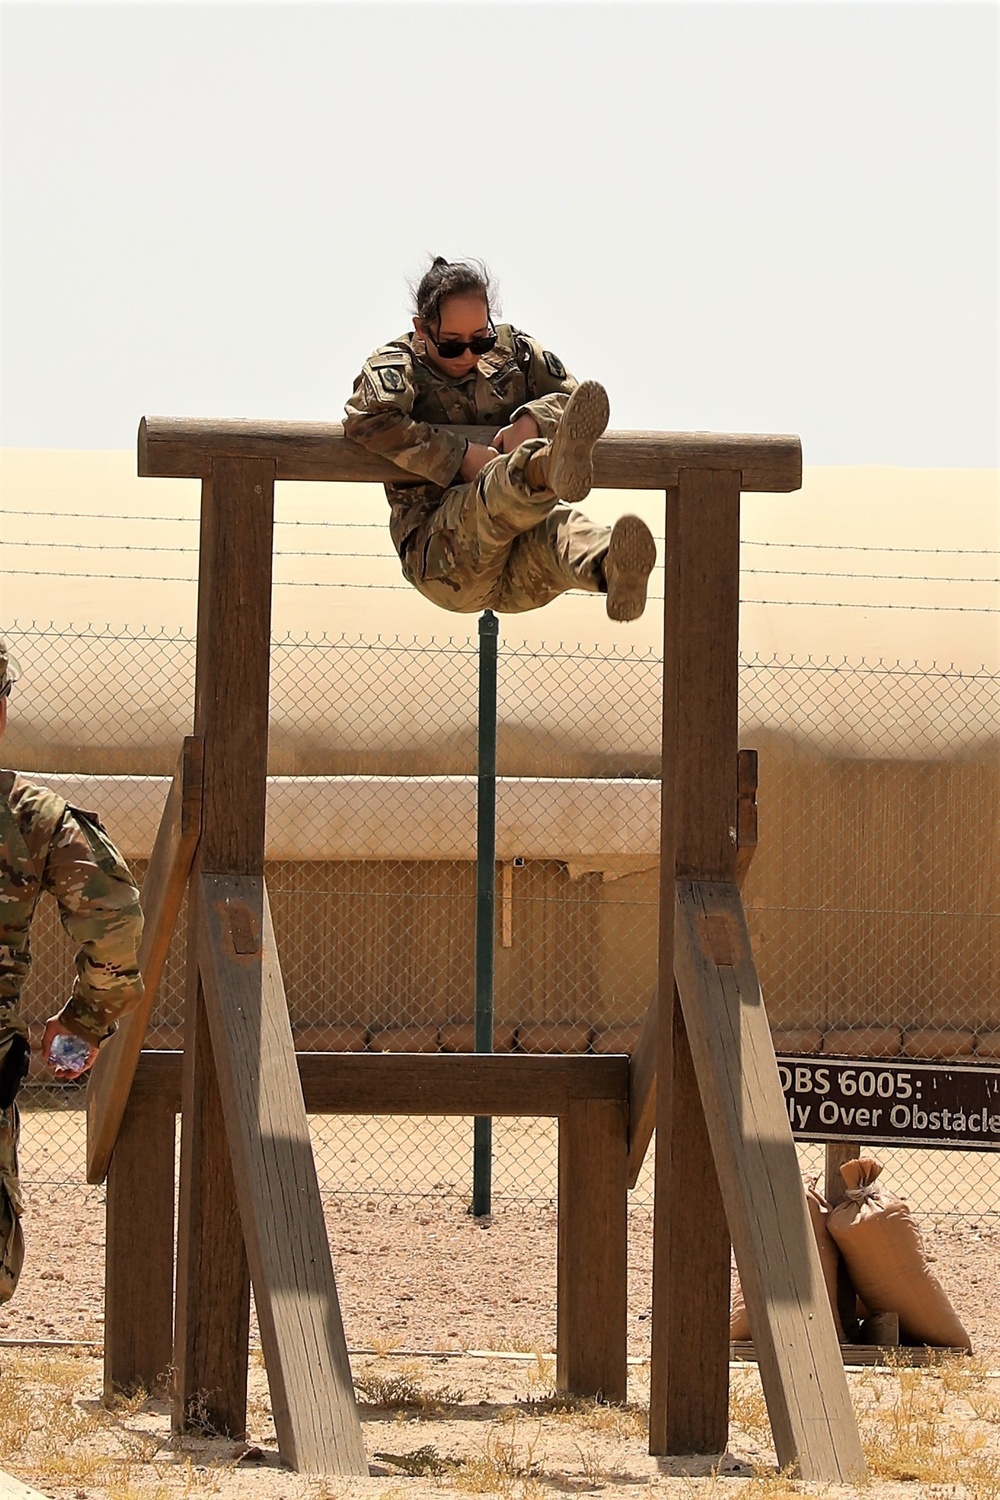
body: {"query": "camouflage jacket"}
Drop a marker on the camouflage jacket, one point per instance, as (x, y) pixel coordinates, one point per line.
(400, 399)
(46, 845)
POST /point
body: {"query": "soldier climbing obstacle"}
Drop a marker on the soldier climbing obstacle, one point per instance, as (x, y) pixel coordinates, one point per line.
(494, 527)
(46, 845)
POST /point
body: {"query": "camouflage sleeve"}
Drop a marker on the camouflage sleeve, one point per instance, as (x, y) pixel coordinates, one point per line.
(550, 383)
(99, 908)
(378, 416)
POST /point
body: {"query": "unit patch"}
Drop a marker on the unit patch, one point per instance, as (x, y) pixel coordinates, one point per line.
(555, 366)
(391, 378)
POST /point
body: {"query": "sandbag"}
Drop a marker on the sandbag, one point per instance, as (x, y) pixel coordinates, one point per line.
(829, 1259)
(881, 1245)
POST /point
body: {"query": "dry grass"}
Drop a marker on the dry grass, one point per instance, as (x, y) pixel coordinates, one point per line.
(403, 1390)
(507, 1463)
(923, 1426)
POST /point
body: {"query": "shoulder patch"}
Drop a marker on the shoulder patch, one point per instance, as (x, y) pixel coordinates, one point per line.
(391, 377)
(555, 366)
(388, 356)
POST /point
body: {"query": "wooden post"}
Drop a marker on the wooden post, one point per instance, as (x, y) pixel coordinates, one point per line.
(139, 1265)
(592, 1267)
(211, 1328)
(689, 1393)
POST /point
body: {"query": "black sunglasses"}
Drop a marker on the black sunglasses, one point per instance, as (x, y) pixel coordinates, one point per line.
(454, 348)
(5, 690)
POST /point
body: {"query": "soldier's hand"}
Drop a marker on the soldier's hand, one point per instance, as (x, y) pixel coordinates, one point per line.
(512, 436)
(54, 1028)
(477, 456)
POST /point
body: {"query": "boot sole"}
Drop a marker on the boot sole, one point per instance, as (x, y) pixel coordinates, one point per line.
(630, 559)
(571, 467)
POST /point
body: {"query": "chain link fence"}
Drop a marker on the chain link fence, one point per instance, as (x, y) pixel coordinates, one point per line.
(873, 900)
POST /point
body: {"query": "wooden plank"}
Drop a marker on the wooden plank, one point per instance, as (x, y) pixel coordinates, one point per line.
(426, 1083)
(139, 1260)
(801, 1369)
(592, 1264)
(186, 447)
(231, 712)
(212, 1303)
(162, 894)
(305, 1351)
(698, 829)
(868, 1354)
(642, 1066)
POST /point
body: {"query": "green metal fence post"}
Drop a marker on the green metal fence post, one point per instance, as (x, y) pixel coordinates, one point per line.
(486, 879)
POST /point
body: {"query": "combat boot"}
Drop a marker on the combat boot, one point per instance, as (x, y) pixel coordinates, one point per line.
(630, 559)
(565, 465)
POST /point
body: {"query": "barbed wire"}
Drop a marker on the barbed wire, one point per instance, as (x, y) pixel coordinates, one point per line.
(390, 556)
(314, 583)
(79, 515)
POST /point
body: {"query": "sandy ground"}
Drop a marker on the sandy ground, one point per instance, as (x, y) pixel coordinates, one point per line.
(441, 1426)
(451, 1324)
(424, 1275)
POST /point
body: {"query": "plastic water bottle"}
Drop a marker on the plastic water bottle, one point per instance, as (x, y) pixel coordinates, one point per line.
(69, 1052)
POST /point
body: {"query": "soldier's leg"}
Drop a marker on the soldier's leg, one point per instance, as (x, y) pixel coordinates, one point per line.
(11, 1236)
(565, 551)
(457, 556)
(569, 551)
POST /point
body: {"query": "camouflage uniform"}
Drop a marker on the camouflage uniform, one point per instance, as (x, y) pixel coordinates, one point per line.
(495, 542)
(46, 845)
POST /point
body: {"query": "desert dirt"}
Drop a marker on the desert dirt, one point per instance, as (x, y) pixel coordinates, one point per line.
(451, 1323)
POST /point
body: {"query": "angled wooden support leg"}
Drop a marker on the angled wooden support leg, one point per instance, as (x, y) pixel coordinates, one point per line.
(642, 1065)
(162, 894)
(305, 1351)
(592, 1273)
(800, 1363)
(139, 1255)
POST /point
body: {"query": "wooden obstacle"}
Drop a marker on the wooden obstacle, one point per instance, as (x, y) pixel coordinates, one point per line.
(704, 1072)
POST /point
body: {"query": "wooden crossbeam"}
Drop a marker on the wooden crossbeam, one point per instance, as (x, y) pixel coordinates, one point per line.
(426, 1083)
(642, 1065)
(302, 1333)
(162, 893)
(757, 1167)
(188, 447)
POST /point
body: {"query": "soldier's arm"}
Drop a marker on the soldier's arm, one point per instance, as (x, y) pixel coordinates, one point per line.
(549, 382)
(378, 416)
(99, 907)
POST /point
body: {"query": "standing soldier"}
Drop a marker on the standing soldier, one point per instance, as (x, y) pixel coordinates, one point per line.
(46, 845)
(492, 526)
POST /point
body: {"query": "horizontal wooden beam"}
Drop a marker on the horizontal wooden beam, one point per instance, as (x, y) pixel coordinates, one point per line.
(185, 447)
(161, 897)
(425, 1083)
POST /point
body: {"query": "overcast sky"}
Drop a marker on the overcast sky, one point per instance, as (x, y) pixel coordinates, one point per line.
(745, 217)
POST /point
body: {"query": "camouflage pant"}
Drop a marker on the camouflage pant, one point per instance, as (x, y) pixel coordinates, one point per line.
(11, 1236)
(495, 543)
